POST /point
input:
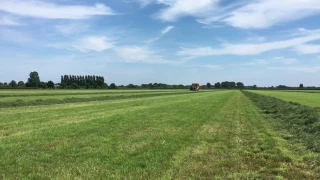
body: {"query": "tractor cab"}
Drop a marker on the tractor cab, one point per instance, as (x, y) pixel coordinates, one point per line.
(195, 87)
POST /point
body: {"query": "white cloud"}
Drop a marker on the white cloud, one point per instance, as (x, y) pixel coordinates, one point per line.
(266, 13)
(308, 48)
(71, 28)
(39, 9)
(89, 43)
(144, 3)
(180, 8)
(285, 60)
(240, 14)
(275, 60)
(167, 29)
(256, 39)
(134, 53)
(249, 48)
(140, 54)
(298, 69)
(9, 22)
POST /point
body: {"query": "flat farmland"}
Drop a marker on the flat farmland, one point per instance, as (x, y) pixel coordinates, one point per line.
(6, 96)
(178, 135)
(308, 98)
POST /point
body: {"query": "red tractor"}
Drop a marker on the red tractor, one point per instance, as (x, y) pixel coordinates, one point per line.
(195, 87)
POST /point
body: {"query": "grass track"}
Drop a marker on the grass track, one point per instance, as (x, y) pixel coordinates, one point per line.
(200, 135)
(308, 99)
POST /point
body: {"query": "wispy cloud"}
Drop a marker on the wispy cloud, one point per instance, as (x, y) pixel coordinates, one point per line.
(8, 21)
(240, 14)
(249, 48)
(284, 60)
(211, 66)
(144, 3)
(86, 44)
(267, 13)
(167, 29)
(276, 60)
(14, 36)
(42, 9)
(179, 8)
(308, 48)
(298, 69)
(71, 28)
(141, 54)
(163, 32)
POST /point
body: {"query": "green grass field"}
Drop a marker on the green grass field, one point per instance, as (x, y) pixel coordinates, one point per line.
(309, 99)
(208, 135)
(84, 94)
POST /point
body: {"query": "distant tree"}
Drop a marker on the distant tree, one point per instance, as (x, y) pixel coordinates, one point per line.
(87, 85)
(232, 85)
(144, 85)
(131, 86)
(301, 85)
(240, 85)
(94, 85)
(13, 83)
(50, 84)
(43, 85)
(254, 86)
(228, 85)
(208, 85)
(74, 86)
(217, 85)
(112, 86)
(282, 86)
(34, 79)
(63, 85)
(20, 83)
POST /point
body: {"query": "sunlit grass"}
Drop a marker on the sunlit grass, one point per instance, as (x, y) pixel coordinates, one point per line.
(183, 136)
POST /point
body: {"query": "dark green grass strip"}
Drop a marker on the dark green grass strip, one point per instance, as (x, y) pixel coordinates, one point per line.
(19, 103)
(303, 122)
(302, 91)
(81, 93)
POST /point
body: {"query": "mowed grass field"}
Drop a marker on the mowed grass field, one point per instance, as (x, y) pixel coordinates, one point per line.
(303, 97)
(59, 95)
(205, 135)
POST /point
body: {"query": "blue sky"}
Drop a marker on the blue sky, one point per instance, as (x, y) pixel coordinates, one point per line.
(263, 42)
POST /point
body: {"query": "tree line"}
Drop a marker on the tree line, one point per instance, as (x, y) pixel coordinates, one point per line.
(88, 81)
(225, 85)
(67, 81)
(92, 81)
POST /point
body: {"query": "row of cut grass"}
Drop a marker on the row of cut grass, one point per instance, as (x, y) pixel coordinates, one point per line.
(77, 95)
(54, 92)
(303, 122)
(309, 99)
(53, 100)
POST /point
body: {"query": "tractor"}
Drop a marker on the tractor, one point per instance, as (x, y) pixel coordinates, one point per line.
(195, 87)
